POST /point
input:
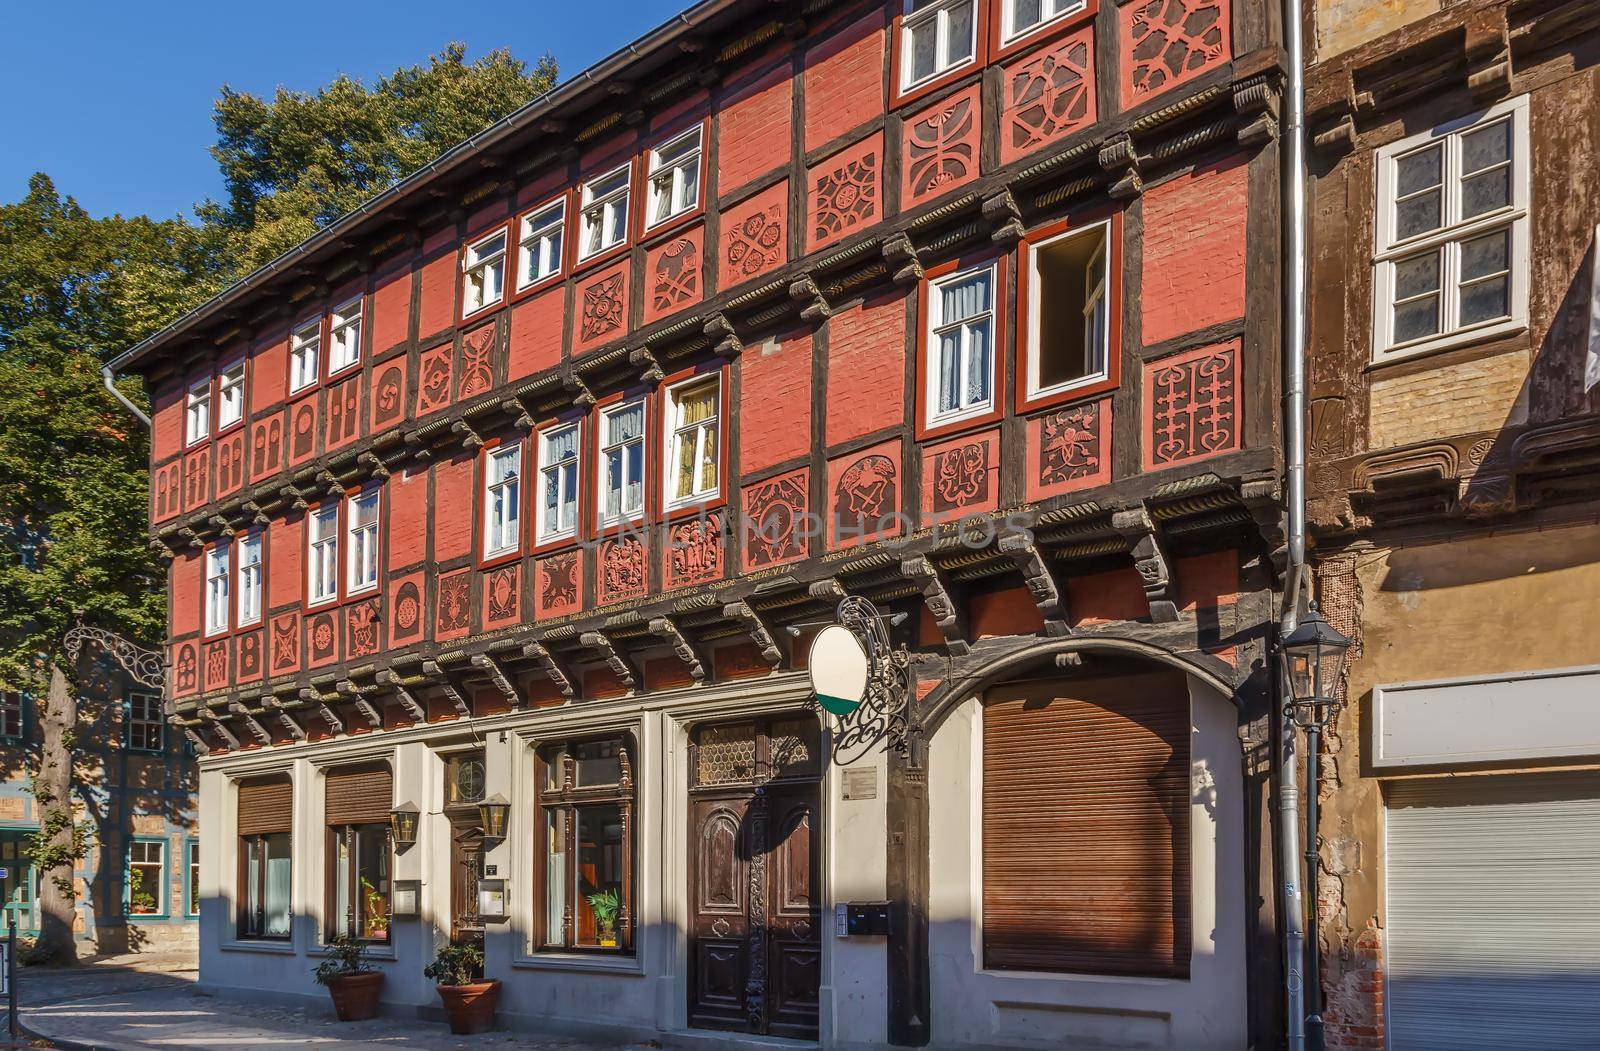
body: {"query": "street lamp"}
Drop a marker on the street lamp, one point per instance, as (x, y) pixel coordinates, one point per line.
(403, 821)
(492, 815)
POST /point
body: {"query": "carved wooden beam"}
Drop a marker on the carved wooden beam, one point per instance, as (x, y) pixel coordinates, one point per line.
(257, 515)
(257, 731)
(901, 255)
(582, 396)
(723, 337)
(221, 728)
(470, 438)
(941, 604)
(757, 628)
(291, 724)
(520, 415)
(328, 715)
(541, 655)
(374, 467)
(1262, 499)
(650, 370)
(666, 628)
(827, 589)
(497, 675)
(1118, 158)
(407, 699)
(198, 742)
(813, 307)
(365, 707)
(1150, 559)
(1047, 592)
(1003, 214)
(447, 687)
(615, 659)
(293, 497)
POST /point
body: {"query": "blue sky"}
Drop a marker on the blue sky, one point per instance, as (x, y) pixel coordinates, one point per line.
(113, 99)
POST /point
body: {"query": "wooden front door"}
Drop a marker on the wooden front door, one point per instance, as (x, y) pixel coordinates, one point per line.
(466, 867)
(755, 952)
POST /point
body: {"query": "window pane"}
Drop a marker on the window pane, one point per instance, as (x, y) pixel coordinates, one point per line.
(1025, 13)
(708, 465)
(1417, 275)
(599, 872)
(555, 876)
(1485, 192)
(1416, 319)
(597, 763)
(1485, 147)
(1483, 256)
(978, 363)
(960, 43)
(949, 352)
(1418, 171)
(275, 900)
(625, 424)
(373, 880)
(1417, 215)
(963, 299)
(924, 42)
(342, 911)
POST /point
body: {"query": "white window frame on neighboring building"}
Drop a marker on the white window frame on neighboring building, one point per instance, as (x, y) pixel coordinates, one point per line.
(914, 20)
(152, 720)
(322, 555)
(305, 347)
(599, 210)
(230, 395)
(502, 500)
(707, 437)
(197, 414)
(542, 237)
(1049, 11)
(249, 571)
(967, 406)
(675, 177)
(1446, 241)
(559, 477)
(218, 563)
(142, 862)
(625, 472)
(483, 266)
(344, 336)
(363, 516)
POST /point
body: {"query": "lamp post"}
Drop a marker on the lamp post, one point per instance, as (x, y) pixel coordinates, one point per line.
(1313, 657)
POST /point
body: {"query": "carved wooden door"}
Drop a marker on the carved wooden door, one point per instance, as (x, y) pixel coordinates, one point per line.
(466, 867)
(755, 948)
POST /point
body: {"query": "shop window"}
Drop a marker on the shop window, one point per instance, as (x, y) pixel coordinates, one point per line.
(147, 877)
(586, 803)
(360, 862)
(266, 809)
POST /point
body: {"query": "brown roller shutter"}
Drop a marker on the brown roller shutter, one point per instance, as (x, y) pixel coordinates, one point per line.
(266, 807)
(359, 795)
(1086, 826)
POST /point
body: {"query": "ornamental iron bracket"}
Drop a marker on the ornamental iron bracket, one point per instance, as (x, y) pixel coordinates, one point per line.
(882, 715)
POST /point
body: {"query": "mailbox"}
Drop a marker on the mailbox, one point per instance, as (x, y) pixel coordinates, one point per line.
(867, 919)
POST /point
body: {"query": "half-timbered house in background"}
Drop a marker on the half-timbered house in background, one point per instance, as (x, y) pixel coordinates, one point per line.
(529, 481)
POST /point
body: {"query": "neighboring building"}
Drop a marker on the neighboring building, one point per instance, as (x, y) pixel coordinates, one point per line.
(1455, 449)
(135, 792)
(504, 486)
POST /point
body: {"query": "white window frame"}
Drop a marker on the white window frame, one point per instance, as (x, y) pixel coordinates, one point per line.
(541, 241)
(219, 613)
(502, 503)
(1008, 10)
(322, 555)
(933, 417)
(344, 336)
(1390, 251)
(670, 433)
(476, 265)
(197, 412)
(248, 570)
(670, 179)
(910, 20)
(305, 348)
(361, 541)
(592, 208)
(230, 395)
(568, 490)
(626, 514)
(1036, 294)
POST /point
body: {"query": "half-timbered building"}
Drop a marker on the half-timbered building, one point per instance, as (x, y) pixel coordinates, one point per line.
(529, 482)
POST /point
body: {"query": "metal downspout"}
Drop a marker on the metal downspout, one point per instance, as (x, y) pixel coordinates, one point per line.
(108, 374)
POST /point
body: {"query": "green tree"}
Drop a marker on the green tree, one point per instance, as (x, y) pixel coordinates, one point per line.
(76, 290)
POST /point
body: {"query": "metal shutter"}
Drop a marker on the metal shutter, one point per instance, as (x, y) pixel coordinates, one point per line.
(359, 795)
(1086, 826)
(1494, 912)
(265, 807)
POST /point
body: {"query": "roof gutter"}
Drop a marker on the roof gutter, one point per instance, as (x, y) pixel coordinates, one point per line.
(662, 34)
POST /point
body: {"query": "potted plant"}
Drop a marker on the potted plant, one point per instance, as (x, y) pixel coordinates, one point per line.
(606, 905)
(351, 980)
(469, 1001)
(377, 921)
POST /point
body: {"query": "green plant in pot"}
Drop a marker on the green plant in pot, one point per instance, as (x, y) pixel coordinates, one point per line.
(352, 982)
(606, 905)
(469, 1001)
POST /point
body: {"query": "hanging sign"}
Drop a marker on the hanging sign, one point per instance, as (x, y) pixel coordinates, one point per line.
(838, 666)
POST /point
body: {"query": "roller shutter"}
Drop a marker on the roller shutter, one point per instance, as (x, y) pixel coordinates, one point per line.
(1086, 826)
(266, 807)
(1493, 890)
(359, 795)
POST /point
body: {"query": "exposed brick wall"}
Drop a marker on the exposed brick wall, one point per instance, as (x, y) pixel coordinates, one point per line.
(775, 406)
(1353, 1012)
(844, 80)
(285, 560)
(754, 130)
(1010, 611)
(1482, 395)
(391, 309)
(1194, 250)
(408, 518)
(453, 516)
(1207, 581)
(866, 342)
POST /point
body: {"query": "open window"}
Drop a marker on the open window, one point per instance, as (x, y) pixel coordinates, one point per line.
(305, 348)
(484, 264)
(199, 412)
(674, 177)
(693, 415)
(1070, 300)
(230, 396)
(603, 222)
(344, 336)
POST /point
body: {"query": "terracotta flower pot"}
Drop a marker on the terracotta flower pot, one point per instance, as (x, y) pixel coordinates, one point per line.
(355, 996)
(470, 1008)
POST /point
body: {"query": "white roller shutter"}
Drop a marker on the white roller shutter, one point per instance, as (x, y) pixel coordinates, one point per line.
(1494, 912)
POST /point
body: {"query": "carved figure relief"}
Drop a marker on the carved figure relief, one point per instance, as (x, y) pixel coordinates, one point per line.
(502, 595)
(266, 447)
(344, 413)
(844, 198)
(694, 550)
(168, 491)
(1069, 449)
(389, 393)
(285, 645)
(1191, 406)
(406, 607)
(361, 629)
(676, 280)
(250, 656)
(755, 244)
(603, 304)
(230, 463)
(941, 147)
(1166, 42)
(866, 495)
(556, 584)
(322, 645)
(197, 478)
(433, 390)
(1047, 96)
(455, 606)
(303, 428)
(960, 477)
(623, 572)
(185, 668)
(476, 373)
(773, 512)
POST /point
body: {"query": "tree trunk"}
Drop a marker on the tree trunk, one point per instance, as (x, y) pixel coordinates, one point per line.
(57, 897)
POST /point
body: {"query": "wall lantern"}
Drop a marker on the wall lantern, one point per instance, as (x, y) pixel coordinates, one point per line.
(403, 821)
(1313, 655)
(492, 813)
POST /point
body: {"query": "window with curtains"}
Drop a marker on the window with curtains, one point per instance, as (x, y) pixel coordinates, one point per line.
(359, 852)
(217, 560)
(199, 412)
(305, 347)
(692, 444)
(603, 221)
(502, 500)
(558, 482)
(936, 36)
(344, 336)
(322, 545)
(586, 805)
(230, 396)
(961, 345)
(621, 462)
(484, 264)
(540, 243)
(147, 877)
(362, 522)
(675, 177)
(249, 611)
(265, 858)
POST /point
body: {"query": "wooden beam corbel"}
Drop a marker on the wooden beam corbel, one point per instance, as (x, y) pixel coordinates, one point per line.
(198, 742)
(221, 728)
(813, 307)
(374, 467)
(723, 338)
(941, 604)
(828, 589)
(293, 497)
(365, 707)
(666, 628)
(901, 255)
(222, 526)
(327, 714)
(757, 628)
(190, 537)
(1048, 593)
(257, 515)
(407, 699)
(615, 659)
(257, 731)
(289, 723)
(582, 396)
(518, 412)
(1150, 560)
(650, 370)
(1002, 213)
(497, 675)
(470, 438)
(1119, 159)
(541, 655)
(328, 480)
(1262, 498)
(447, 687)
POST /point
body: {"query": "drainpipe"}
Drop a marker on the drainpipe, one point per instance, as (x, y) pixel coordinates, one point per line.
(110, 377)
(1297, 579)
